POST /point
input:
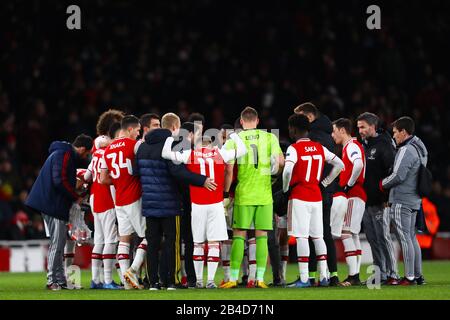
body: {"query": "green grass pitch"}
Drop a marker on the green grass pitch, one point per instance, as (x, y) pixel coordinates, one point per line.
(437, 273)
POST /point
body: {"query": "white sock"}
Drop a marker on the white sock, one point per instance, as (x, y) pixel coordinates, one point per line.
(321, 256)
(141, 252)
(213, 260)
(226, 253)
(183, 265)
(123, 256)
(69, 254)
(358, 251)
(119, 272)
(350, 254)
(97, 261)
(102, 272)
(199, 260)
(109, 257)
(303, 258)
(284, 251)
(252, 259)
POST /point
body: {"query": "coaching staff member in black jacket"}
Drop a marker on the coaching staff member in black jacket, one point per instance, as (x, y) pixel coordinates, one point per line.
(320, 131)
(380, 153)
(161, 199)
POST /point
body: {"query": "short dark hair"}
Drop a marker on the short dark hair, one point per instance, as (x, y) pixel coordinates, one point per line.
(299, 122)
(129, 121)
(369, 117)
(344, 123)
(405, 123)
(193, 117)
(106, 119)
(189, 126)
(83, 140)
(116, 126)
(146, 119)
(237, 123)
(249, 114)
(307, 108)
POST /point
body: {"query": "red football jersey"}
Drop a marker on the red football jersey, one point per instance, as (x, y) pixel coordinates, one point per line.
(309, 158)
(118, 159)
(207, 162)
(103, 200)
(351, 151)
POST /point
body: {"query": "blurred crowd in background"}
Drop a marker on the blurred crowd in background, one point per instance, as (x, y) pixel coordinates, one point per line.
(215, 58)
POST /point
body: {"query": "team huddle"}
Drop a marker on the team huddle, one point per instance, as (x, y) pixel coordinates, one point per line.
(171, 198)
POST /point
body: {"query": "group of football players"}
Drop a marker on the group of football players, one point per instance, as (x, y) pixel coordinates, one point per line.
(232, 211)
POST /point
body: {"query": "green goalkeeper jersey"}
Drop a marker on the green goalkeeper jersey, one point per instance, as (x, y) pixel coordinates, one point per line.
(254, 185)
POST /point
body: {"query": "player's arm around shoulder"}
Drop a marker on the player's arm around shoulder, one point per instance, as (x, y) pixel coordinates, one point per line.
(176, 156)
(105, 178)
(337, 164)
(291, 160)
(277, 160)
(229, 154)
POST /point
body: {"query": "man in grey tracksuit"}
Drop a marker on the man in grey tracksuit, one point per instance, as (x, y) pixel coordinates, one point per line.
(404, 199)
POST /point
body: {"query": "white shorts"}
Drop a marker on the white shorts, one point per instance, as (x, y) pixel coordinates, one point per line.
(105, 229)
(208, 222)
(354, 215)
(281, 222)
(305, 219)
(337, 215)
(130, 219)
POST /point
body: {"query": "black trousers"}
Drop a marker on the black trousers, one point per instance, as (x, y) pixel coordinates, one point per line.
(186, 238)
(274, 250)
(157, 228)
(327, 201)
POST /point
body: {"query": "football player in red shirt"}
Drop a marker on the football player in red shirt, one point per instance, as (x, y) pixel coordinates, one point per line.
(302, 175)
(117, 169)
(102, 207)
(104, 123)
(346, 221)
(208, 216)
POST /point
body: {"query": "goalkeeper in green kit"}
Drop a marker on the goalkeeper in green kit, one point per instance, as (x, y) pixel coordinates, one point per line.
(253, 202)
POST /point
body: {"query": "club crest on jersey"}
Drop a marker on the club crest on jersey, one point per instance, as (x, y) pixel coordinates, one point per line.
(310, 149)
(372, 154)
(117, 145)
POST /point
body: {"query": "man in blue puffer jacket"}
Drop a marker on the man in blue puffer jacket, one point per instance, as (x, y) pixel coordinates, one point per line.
(52, 195)
(161, 199)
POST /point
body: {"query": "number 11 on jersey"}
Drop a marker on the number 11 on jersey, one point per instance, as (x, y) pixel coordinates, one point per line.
(202, 164)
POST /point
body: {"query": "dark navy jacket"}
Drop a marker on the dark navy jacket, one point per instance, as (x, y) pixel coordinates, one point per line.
(53, 192)
(320, 131)
(159, 177)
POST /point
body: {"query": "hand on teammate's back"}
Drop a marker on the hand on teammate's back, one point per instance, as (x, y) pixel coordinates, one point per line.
(210, 184)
